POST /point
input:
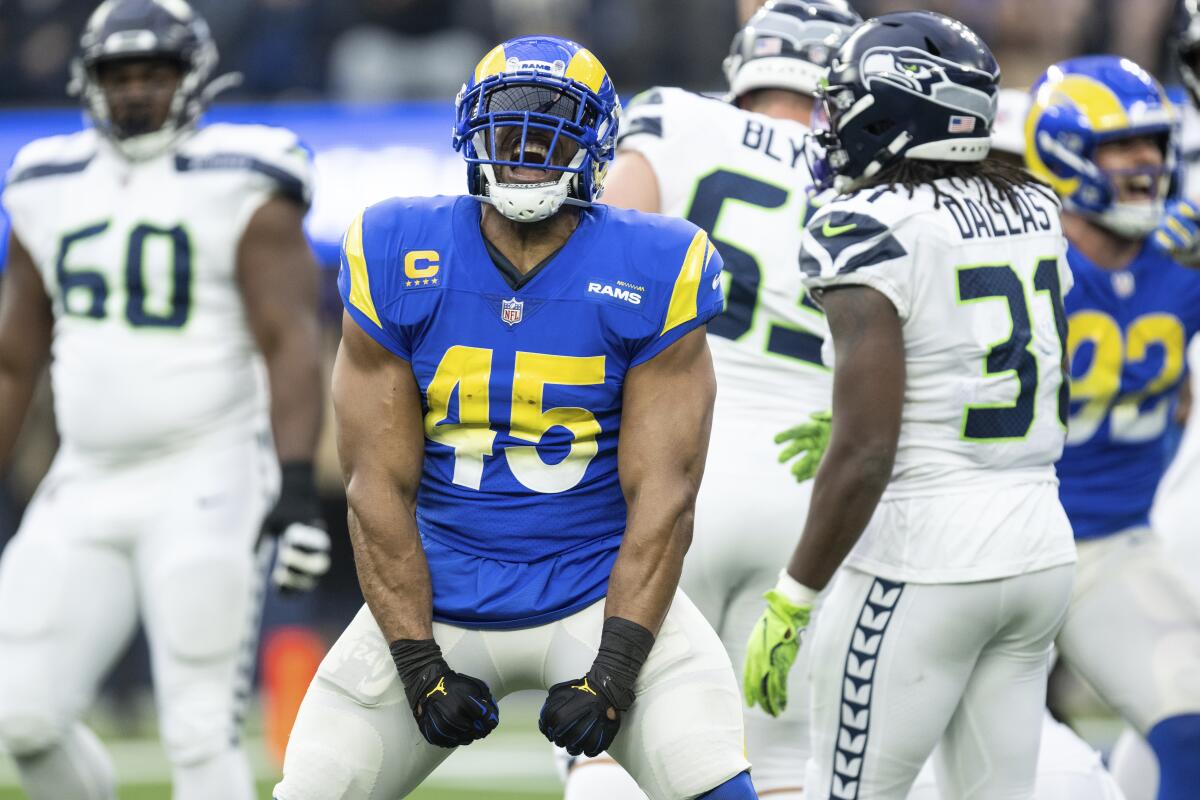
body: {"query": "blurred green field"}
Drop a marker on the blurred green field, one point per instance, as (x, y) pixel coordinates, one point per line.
(163, 791)
(514, 763)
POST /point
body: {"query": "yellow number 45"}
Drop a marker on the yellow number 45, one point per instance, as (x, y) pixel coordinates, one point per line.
(469, 370)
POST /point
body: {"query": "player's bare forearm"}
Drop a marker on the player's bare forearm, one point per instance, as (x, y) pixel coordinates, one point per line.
(381, 440)
(665, 423)
(868, 396)
(26, 326)
(279, 280)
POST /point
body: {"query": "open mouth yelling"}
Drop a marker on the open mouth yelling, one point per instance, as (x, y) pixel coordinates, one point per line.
(1137, 189)
(537, 149)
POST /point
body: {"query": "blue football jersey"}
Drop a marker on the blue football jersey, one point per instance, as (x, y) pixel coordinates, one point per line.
(520, 509)
(1127, 332)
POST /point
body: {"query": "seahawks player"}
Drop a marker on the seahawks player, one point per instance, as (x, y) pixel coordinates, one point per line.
(941, 273)
(1100, 132)
(161, 266)
(523, 394)
(735, 167)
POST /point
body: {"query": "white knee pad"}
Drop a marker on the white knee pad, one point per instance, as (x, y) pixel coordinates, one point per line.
(27, 733)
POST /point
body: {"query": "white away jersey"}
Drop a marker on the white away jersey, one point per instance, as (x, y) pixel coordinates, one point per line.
(742, 177)
(151, 344)
(978, 284)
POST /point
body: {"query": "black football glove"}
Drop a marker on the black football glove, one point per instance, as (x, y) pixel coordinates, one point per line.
(584, 715)
(450, 708)
(295, 522)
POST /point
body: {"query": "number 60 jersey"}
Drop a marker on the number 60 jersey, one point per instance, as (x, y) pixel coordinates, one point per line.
(151, 348)
(520, 508)
(978, 283)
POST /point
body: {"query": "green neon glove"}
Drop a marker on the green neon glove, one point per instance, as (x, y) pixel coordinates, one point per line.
(809, 438)
(771, 651)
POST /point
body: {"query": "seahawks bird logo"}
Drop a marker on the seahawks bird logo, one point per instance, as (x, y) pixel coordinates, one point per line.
(920, 73)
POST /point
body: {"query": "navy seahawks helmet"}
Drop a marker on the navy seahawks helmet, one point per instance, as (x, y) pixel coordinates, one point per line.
(139, 29)
(1187, 46)
(787, 44)
(913, 84)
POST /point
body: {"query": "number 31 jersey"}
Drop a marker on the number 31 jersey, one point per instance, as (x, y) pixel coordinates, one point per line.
(742, 177)
(520, 509)
(151, 348)
(978, 284)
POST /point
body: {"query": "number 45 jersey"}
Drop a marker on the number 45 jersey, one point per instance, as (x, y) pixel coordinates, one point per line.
(151, 348)
(520, 509)
(977, 282)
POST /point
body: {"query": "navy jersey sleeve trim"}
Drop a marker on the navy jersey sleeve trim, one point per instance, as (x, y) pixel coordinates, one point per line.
(289, 185)
(36, 171)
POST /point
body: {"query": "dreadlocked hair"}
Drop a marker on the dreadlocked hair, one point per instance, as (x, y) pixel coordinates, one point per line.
(997, 177)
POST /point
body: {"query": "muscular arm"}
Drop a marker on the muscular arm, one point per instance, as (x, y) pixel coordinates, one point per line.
(26, 325)
(665, 422)
(381, 440)
(632, 183)
(278, 279)
(868, 394)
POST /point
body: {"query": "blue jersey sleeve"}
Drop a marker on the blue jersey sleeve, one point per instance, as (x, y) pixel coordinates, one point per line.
(691, 294)
(367, 279)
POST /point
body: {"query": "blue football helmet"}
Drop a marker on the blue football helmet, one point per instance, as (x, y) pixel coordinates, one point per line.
(148, 29)
(913, 84)
(1080, 104)
(535, 95)
(787, 44)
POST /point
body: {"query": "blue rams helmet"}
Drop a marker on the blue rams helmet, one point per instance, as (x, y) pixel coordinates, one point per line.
(528, 101)
(1082, 103)
(913, 84)
(787, 44)
(147, 29)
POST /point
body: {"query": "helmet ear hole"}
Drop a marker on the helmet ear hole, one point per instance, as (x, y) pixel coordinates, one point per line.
(879, 127)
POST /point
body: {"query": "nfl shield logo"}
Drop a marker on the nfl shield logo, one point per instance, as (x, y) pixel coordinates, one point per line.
(511, 310)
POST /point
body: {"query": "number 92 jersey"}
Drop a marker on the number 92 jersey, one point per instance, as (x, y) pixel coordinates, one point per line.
(977, 283)
(1128, 333)
(742, 177)
(520, 509)
(151, 348)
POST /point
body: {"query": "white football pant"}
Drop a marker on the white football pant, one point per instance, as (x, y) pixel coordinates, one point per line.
(169, 542)
(355, 737)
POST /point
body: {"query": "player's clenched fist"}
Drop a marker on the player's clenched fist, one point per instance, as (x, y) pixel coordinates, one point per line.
(584, 715)
(774, 644)
(450, 708)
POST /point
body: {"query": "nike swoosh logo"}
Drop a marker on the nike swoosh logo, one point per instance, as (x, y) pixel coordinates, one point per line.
(829, 231)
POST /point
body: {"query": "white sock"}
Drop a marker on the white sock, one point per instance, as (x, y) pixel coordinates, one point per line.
(226, 775)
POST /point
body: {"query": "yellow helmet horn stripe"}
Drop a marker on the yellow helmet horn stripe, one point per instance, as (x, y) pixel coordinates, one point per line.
(586, 69)
(491, 64)
(1096, 101)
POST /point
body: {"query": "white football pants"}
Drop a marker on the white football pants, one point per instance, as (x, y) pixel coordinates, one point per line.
(749, 514)
(355, 737)
(901, 668)
(168, 541)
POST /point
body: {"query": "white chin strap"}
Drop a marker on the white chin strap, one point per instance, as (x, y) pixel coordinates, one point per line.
(1131, 220)
(527, 202)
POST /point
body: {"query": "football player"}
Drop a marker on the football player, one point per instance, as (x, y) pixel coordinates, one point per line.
(523, 394)
(1100, 132)
(735, 166)
(161, 265)
(941, 273)
(1177, 503)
